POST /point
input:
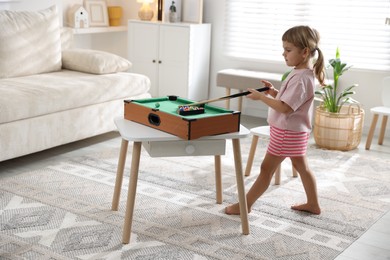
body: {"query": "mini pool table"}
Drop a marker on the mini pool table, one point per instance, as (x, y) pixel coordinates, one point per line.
(162, 113)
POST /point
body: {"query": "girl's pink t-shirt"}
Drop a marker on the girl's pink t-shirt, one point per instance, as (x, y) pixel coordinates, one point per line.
(297, 91)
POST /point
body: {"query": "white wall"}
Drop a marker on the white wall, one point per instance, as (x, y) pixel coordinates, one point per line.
(368, 92)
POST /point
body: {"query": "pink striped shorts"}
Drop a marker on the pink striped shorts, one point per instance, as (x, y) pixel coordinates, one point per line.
(286, 143)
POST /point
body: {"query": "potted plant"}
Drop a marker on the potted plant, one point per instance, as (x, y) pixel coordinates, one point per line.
(339, 119)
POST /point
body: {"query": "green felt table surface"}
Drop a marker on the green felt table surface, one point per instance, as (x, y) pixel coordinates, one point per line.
(168, 105)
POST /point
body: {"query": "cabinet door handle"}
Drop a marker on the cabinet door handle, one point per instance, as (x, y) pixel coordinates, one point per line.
(160, 61)
(154, 61)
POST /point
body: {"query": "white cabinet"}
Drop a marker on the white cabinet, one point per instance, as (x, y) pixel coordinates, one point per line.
(175, 56)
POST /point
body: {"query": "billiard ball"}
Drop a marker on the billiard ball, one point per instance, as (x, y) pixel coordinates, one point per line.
(157, 105)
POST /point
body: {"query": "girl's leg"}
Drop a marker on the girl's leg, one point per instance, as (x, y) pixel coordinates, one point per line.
(309, 184)
(267, 169)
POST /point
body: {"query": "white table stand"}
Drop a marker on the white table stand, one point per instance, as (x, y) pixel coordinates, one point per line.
(159, 143)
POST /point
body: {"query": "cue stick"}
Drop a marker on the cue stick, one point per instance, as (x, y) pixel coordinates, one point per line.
(227, 97)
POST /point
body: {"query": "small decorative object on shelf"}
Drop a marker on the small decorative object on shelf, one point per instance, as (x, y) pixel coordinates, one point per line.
(78, 17)
(160, 10)
(145, 13)
(172, 13)
(97, 12)
(115, 15)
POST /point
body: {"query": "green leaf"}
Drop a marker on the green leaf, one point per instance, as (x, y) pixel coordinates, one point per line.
(333, 99)
(284, 76)
(337, 53)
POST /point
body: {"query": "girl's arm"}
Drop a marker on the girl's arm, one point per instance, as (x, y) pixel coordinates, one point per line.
(276, 104)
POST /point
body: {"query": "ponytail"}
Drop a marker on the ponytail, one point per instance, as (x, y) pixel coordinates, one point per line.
(319, 67)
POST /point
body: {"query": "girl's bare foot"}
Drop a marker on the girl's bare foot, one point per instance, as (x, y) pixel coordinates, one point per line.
(234, 209)
(307, 208)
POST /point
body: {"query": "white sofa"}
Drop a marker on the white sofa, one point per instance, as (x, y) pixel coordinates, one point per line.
(51, 94)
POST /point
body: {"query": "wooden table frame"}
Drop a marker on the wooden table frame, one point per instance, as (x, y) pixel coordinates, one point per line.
(137, 133)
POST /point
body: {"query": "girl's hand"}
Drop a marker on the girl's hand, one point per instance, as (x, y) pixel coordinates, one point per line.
(271, 87)
(272, 91)
(254, 94)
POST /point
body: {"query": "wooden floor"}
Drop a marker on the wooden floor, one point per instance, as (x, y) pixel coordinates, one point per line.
(374, 244)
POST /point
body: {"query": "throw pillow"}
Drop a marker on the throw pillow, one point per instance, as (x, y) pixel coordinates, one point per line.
(93, 61)
(30, 42)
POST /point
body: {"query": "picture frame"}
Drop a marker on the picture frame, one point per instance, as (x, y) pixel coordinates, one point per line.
(192, 11)
(97, 11)
(167, 5)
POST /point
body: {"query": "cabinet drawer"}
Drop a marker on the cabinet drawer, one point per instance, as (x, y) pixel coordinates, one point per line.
(185, 148)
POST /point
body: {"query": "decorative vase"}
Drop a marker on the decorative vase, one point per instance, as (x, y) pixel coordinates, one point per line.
(338, 131)
(172, 17)
(115, 15)
(172, 13)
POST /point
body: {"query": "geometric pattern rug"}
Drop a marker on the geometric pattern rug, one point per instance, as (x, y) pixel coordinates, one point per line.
(63, 210)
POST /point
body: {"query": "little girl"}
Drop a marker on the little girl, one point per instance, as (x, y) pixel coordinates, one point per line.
(290, 114)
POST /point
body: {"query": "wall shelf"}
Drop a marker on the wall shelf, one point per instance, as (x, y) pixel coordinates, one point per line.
(99, 29)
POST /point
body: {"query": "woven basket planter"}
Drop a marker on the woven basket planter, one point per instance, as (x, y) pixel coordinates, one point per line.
(338, 131)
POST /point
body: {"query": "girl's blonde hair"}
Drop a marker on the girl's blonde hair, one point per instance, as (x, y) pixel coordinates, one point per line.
(306, 37)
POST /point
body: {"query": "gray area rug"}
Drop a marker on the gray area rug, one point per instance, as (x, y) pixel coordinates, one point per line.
(63, 211)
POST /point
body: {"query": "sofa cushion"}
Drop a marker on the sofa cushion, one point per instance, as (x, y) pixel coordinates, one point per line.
(93, 61)
(30, 42)
(42, 94)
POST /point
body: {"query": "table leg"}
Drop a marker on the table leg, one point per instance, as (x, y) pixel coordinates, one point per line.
(383, 130)
(251, 156)
(218, 178)
(241, 187)
(132, 190)
(227, 92)
(240, 101)
(277, 174)
(371, 131)
(119, 175)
